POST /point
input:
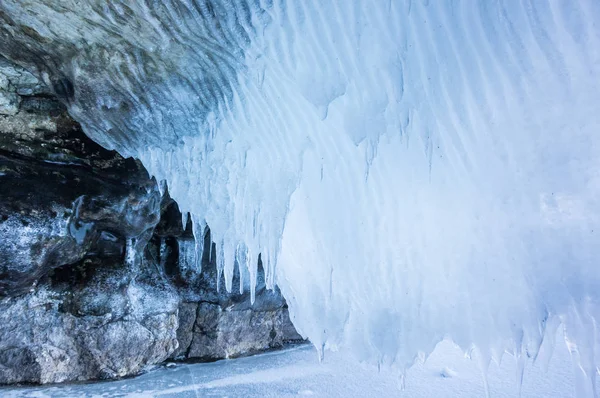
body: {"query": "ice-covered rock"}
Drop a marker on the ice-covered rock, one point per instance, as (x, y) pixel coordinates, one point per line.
(72, 309)
(62, 196)
(84, 291)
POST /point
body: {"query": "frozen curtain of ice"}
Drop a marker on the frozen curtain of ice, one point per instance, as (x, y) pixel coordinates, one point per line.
(408, 170)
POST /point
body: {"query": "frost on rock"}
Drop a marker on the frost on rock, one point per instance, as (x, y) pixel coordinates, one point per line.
(407, 170)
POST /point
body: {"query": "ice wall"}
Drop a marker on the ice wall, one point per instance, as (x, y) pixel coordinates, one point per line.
(409, 170)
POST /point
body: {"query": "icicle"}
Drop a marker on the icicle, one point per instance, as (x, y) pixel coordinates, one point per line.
(228, 259)
(252, 289)
(546, 348)
(198, 253)
(219, 274)
(162, 187)
(497, 352)
(187, 254)
(579, 326)
(199, 231)
(519, 361)
(220, 264)
(484, 364)
(469, 353)
(130, 253)
(242, 257)
(320, 352)
(402, 380)
(517, 341)
(253, 269)
(162, 254)
(184, 219)
(268, 262)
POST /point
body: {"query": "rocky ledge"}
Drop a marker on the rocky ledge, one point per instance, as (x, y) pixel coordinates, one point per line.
(98, 277)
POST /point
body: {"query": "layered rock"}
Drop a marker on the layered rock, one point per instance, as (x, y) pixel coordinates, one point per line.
(98, 277)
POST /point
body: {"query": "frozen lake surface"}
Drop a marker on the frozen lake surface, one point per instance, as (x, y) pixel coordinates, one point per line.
(296, 371)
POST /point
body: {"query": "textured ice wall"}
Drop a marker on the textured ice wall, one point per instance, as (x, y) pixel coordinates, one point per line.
(415, 169)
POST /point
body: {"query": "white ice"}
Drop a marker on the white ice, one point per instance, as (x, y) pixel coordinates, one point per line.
(417, 170)
(296, 372)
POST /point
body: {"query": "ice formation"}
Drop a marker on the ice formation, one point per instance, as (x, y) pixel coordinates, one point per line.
(408, 170)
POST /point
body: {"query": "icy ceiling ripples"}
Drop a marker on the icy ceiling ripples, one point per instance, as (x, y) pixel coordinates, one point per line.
(408, 170)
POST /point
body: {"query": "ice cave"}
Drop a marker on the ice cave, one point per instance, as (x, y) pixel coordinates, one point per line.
(347, 198)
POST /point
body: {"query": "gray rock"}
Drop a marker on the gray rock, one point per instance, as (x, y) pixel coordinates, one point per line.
(42, 342)
(222, 333)
(185, 331)
(4, 82)
(9, 103)
(289, 333)
(16, 79)
(15, 83)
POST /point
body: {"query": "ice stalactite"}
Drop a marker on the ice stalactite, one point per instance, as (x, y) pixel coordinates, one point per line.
(131, 254)
(199, 231)
(187, 256)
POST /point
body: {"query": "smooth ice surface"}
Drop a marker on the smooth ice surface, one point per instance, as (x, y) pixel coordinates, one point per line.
(408, 170)
(296, 372)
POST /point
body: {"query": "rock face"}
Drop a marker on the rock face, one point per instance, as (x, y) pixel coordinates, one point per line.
(50, 336)
(62, 195)
(98, 277)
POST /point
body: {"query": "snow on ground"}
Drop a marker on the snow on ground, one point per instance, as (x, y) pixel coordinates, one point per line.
(296, 371)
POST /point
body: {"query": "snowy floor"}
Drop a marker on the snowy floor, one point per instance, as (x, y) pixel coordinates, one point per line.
(296, 372)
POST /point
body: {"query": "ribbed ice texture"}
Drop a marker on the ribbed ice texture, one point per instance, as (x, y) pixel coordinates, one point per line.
(415, 169)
